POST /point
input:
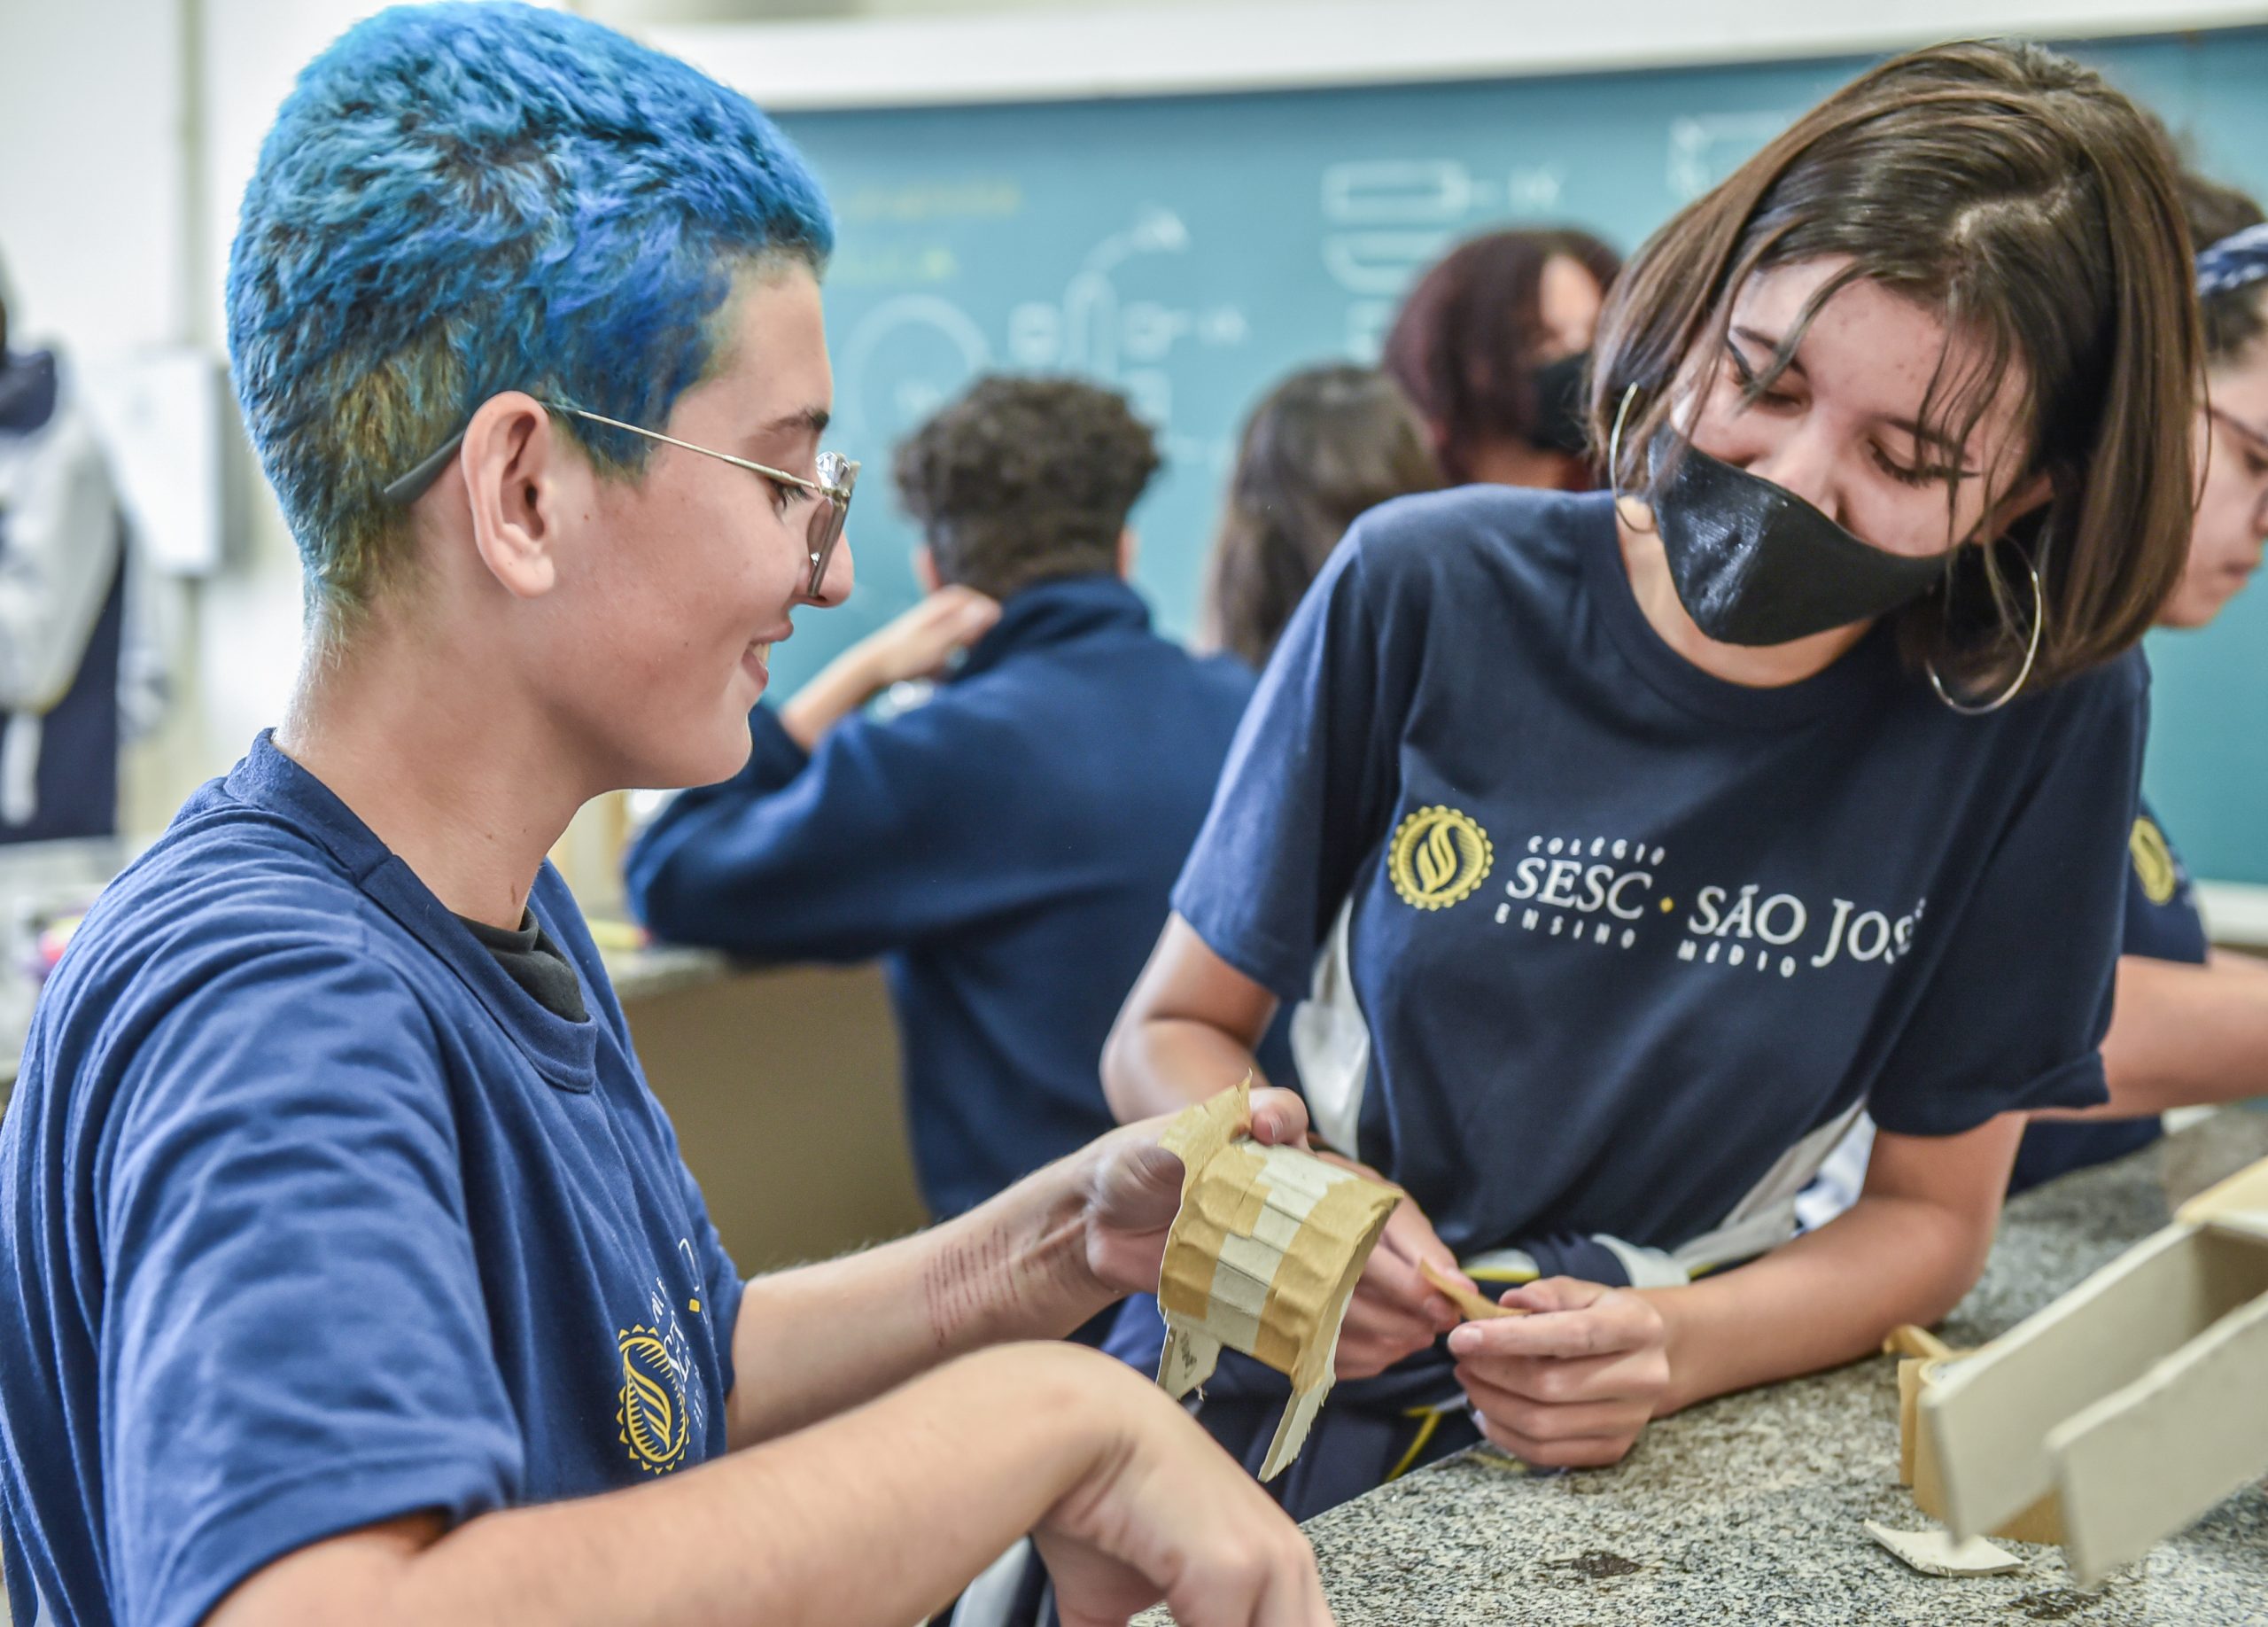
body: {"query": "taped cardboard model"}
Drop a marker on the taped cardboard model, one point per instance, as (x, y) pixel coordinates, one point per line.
(2136, 1401)
(1262, 1259)
(1928, 1359)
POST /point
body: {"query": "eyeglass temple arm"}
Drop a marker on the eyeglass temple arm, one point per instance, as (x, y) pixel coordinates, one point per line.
(408, 487)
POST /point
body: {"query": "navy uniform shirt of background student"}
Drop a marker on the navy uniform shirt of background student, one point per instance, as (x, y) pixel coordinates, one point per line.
(1629, 946)
(1008, 847)
(2161, 924)
(318, 1217)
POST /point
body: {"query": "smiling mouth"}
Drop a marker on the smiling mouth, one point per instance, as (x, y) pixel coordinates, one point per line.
(758, 652)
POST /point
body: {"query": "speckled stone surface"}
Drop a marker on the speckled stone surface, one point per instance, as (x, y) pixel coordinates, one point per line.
(1748, 1508)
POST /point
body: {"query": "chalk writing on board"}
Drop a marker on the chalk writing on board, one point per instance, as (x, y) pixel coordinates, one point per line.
(1706, 148)
(1386, 220)
(913, 352)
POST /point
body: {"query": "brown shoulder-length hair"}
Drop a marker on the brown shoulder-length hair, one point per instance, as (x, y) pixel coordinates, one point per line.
(1322, 447)
(2035, 208)
(1463, 347)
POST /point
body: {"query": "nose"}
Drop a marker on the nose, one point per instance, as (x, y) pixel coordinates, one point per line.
(834, 587)
(1803, 464)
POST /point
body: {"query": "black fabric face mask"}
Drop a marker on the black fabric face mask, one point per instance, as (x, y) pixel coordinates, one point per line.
(1756, 565)
(1559, 405)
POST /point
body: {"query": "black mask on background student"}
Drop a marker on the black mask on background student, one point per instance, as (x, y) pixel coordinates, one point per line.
(1559, 404)
(1754, 563)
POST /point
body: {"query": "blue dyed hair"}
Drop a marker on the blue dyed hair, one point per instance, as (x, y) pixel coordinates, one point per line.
(463, 199)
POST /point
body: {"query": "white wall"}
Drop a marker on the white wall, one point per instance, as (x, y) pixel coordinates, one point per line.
(93, 168)
(128, 129)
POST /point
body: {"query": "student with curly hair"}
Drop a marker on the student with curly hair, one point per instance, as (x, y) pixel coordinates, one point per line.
(1007, 845)
(354, 1274)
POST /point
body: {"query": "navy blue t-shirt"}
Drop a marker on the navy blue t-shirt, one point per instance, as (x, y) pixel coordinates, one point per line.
(315, 1217)
(2162, 923)
(1008, 847)
(1624, 933)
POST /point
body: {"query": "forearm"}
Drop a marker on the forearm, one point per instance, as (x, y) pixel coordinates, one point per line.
(2182, 1036)
(1162, 1064)
(842, 687)
(1013, 1268)
(1825, 1298)
(937, 1480)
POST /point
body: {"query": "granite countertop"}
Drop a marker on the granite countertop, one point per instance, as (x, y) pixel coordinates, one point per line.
(1748, 1508)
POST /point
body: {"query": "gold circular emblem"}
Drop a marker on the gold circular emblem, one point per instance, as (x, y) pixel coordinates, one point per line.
(1438, 856)
(652, 1410)
(2153, 861)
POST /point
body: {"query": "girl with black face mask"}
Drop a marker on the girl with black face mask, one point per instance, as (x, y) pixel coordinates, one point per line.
(1622, 847)
(1492, 347)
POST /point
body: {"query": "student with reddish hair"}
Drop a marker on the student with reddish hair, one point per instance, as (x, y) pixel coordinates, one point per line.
(1492, 345)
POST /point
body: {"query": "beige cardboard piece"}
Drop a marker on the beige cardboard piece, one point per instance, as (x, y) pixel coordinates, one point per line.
(1263, 1258)
(1471, 1306)
(2135, 1401)
(1917, 1459)
(1937, 1554)
(1906, 1339)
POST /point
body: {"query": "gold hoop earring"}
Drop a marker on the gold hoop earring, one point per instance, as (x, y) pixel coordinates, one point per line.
(1614, 444)
(1614, 467)
(2032, 654)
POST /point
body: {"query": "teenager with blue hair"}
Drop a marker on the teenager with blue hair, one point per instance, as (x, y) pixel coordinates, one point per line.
(355, 1274)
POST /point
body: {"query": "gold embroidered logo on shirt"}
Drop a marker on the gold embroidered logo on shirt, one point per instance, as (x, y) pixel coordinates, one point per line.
(652, 1413)
(1438, 856)
(2153, 861)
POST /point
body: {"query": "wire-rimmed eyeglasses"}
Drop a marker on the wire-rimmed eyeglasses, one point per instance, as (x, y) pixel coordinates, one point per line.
(836, 476)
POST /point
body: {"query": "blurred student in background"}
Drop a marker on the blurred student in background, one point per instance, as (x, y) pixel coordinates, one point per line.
(62, 606)
(1007, 846)
(1492, 347)
(2191, 1023)
(1325, 445)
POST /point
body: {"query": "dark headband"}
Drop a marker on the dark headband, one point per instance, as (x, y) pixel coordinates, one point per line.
(2235, 262)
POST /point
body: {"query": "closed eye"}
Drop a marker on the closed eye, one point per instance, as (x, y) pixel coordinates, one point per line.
(1745, 376)
(784, 495)
(1927, 474)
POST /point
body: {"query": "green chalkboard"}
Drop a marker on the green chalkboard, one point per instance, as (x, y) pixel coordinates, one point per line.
(1190, 250)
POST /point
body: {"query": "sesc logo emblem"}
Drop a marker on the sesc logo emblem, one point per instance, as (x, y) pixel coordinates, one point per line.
(652, 1410)
(1438, 856)
(2153, 861)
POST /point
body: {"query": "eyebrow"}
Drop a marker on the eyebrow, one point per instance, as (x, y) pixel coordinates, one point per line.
(810, 420)
(2259, 438)
(1936, 438)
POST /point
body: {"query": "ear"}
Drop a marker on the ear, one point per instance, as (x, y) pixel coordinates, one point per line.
(513, 463)
(1129, 550)
(924, 570)
(2033, 495)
